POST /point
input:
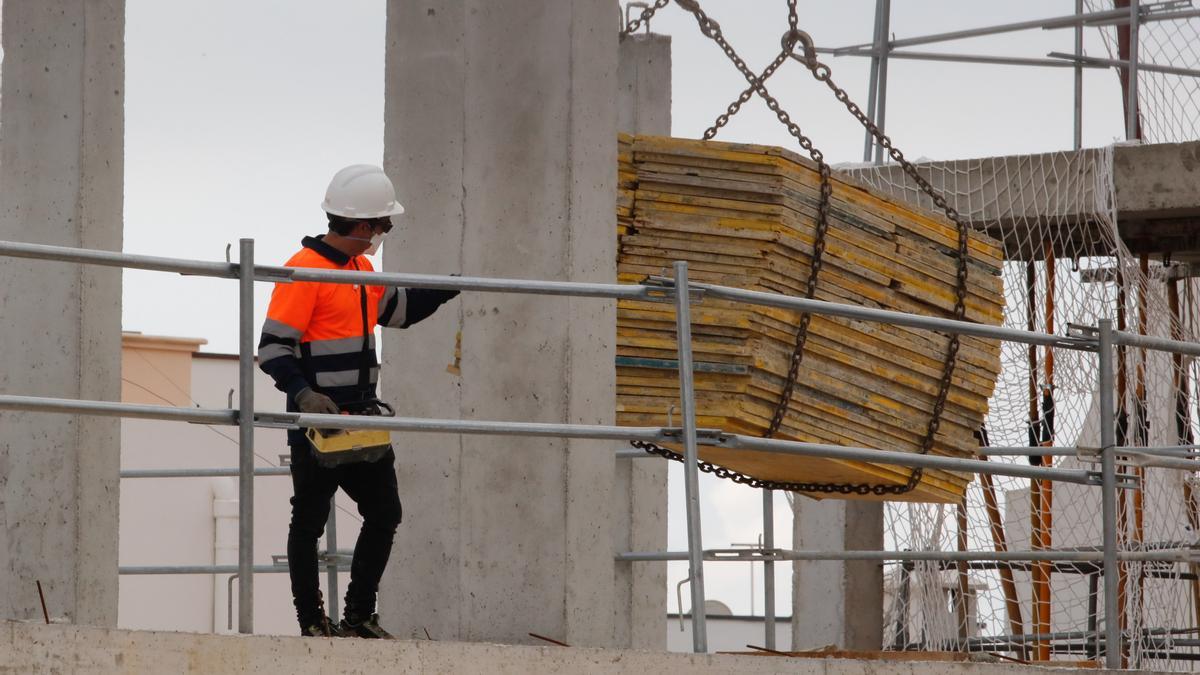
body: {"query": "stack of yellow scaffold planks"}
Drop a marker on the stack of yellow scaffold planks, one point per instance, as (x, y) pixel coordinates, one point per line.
(744, 216)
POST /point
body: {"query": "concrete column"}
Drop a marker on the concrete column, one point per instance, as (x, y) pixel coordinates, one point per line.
(643, 107)
(644, 81)
(500, 135)
(61, 177)
(838, 603)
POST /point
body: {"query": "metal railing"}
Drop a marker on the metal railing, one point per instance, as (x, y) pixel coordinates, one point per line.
(679, 291)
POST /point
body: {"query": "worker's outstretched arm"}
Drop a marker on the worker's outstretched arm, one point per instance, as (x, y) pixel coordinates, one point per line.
(288, 315)
(402, 307)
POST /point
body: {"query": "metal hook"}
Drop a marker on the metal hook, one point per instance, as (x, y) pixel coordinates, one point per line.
(679, 599)
(228, 248)
(670, 420)
(794, 36)
(790, 37)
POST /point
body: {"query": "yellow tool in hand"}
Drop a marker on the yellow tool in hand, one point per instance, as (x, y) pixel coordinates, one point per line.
(332, 447)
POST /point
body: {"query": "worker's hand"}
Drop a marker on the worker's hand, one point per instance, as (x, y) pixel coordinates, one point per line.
(310, 401)
(446, 295)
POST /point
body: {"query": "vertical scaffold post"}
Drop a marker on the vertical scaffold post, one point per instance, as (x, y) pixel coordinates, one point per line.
(331, 568)
(1131, 91)
(885, 45)
(1108, 468)
(769, 568)
(246, 437)
(1078, 77)
(691, 483)
(869, 140)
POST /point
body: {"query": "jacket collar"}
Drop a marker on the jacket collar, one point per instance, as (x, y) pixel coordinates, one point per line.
(330, 253)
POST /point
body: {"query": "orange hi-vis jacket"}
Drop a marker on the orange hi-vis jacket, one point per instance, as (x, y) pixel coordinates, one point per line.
(322, 336)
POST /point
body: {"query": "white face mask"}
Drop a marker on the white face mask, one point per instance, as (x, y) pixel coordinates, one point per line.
(376, 241)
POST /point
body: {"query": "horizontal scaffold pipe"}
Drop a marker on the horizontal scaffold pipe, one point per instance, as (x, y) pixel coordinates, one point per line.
(826, 308)
(89, 256)
(1183, 451)
(283, 274)
(70, 406)
(1156, 343)
(752, 555)
(479, 284)
(200, 569)
(540, 429)
(201, 473)
(904, 459)
(564, 288)
(229, 270)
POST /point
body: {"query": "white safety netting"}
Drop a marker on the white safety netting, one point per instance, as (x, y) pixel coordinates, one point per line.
(1167, 101)
(1067, 265)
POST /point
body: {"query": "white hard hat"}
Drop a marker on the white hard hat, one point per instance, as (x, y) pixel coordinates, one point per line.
(361, 191)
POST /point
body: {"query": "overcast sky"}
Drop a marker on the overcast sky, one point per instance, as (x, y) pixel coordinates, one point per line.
(237, 114)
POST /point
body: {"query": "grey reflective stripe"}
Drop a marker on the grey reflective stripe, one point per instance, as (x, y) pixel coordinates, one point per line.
(343, 378)
(280, 329)
(274, 351)
(397, 318)
(339, 346)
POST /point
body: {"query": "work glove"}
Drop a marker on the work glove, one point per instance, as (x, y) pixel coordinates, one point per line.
(310, 401)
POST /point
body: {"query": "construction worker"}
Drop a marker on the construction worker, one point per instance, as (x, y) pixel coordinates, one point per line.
(318, 344)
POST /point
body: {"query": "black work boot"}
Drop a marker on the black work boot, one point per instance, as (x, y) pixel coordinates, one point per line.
(319, 625)
(369, 628)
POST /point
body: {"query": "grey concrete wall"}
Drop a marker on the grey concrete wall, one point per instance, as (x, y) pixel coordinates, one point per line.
(643, 107)
(500, 128)
(61, 177)
(31, 648)
(837, 602)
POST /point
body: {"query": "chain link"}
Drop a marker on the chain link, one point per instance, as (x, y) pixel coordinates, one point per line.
(711, 29)
(643, 18)
(822, 73)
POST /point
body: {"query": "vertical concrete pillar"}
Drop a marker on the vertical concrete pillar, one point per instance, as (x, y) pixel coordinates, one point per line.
(644, 81)
(500, 136)
(835, 602)
(61, 177)
(643, 107)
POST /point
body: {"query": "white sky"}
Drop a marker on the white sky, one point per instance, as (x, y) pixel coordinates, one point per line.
(237, 113)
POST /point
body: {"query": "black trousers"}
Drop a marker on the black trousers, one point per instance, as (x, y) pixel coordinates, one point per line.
(372, 486)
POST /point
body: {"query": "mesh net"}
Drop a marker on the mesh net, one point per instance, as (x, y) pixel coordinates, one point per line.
(1067, 265)
(1167, 101)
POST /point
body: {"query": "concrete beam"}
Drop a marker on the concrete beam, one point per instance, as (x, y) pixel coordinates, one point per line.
(1026, 199)
(500, 135)
(643, 107)
(61, 177)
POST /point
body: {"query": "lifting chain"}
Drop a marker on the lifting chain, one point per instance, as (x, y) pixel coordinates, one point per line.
(793, 37)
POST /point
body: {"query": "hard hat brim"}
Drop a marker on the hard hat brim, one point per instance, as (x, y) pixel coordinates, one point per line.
(396, 210)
